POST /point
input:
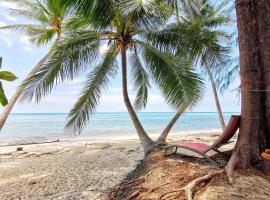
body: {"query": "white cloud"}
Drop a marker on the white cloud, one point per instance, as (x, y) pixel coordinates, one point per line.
(24, 40)
(118, 90)
(2, 24)
(9, 5)
(11, 18)
(26, 48)
(5, 35)
(103, 48)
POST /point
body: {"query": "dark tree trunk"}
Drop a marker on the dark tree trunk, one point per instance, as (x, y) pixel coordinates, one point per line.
(146, 141)
(264, 32)
(254, 44)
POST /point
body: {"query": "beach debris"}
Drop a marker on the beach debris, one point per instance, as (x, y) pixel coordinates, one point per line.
(19, 148)
(190, 187)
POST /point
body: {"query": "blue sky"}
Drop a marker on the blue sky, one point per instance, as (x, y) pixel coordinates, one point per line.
(19, 56)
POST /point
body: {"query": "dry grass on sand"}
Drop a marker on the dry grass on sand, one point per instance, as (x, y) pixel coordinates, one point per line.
(165, 178)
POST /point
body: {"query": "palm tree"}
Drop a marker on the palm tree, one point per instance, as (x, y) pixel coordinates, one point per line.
(134, 30)
(203, 15)
(7, 76)
(51, 19)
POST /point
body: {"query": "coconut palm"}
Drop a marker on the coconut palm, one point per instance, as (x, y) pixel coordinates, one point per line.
(6, 76)
(214, 19)
(134, 31)
(185, 6)
(202, 14)
(49, 20)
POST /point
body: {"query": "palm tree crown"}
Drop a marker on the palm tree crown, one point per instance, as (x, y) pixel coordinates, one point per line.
(136, 26)
(50, 19)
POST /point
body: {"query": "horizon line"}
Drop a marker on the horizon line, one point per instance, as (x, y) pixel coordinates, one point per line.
(20, 113)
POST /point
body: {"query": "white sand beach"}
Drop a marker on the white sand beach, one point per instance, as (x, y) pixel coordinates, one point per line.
(79, 169)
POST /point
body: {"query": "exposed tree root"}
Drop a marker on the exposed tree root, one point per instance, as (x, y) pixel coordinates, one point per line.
(190, 187)
(124, 185)
(184, 178)
(170, 194)
(153, 190)
(136, 193)
(231, 166)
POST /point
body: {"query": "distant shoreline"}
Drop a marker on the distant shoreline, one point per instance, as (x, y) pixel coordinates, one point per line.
(60, 113)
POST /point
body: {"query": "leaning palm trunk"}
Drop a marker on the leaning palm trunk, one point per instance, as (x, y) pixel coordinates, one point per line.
(220, 115)
(147, 142)
(17, 94)
(163, 136)
(176, 12)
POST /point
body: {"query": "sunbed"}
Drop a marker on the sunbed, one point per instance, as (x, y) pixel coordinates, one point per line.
(202, 148)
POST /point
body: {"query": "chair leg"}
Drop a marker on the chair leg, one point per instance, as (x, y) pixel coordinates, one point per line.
(175, 150)
(212, 160)
(166, 150)
(222, 153)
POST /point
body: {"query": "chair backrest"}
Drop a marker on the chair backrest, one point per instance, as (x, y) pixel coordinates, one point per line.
(229, 132)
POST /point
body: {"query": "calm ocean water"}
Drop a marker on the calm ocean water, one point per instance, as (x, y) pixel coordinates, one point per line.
(106, 125)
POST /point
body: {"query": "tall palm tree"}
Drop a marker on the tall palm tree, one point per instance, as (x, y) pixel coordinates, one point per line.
(133, 30)
(50, 20)
(214, 19)
(203, 15)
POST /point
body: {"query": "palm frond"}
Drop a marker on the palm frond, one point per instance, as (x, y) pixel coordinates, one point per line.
(141, 82)
(100, 13)
(178, 83)
(144, 14)
(80, 50)
(96, 82)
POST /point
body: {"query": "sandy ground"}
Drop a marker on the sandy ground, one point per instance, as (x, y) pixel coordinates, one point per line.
(65, 170)
(80, 169)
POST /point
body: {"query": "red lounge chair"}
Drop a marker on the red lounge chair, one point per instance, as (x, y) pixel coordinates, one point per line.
(202, 148)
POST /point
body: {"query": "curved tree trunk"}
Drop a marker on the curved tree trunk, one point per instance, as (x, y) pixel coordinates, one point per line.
(163, 136)
(147, 142)
(176, 12)
(219, 110)
(254, 43)
(16, 96)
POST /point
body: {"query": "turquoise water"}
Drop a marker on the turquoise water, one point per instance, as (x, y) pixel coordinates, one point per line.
(106, 125)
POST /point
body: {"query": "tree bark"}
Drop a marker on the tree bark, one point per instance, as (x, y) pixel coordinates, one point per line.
(254, 63)
(16, 95)
(146, 141)
(219, 110)
(176, 12)
(264, 32)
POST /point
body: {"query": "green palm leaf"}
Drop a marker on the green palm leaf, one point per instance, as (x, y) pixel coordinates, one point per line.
(178, 83)
(141, 81)
(81, 49)
(96, 81)
(3, 98)
(7, 76)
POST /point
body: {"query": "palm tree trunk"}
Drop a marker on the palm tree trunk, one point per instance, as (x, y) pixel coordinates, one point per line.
(147, 142)
(19, 91)
(253, 28)
(163, 136)
(16, 95)
(176, 12)
(219, 110)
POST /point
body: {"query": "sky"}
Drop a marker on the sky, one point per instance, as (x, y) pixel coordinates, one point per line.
(20, 56)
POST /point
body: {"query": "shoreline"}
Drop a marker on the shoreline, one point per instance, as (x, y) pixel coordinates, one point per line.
(43, 139)
(72, 169)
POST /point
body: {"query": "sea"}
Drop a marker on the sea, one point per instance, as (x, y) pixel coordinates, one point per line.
(107, 125)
